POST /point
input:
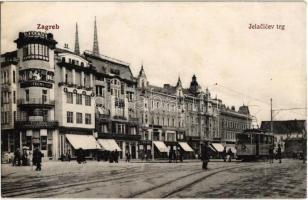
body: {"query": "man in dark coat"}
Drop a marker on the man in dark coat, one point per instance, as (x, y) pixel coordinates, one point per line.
(17, 157)
(224, 154)
(37, 158)
(205, 155)
(229, 155)
(116, 156)
(279, 153)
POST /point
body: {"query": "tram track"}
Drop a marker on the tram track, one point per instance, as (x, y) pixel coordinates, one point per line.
(24, 185)
(28, 190)
(155, 189)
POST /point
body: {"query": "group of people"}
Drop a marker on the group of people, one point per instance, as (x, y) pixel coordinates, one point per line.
(227, 155)
(175, 155)
(24, 158)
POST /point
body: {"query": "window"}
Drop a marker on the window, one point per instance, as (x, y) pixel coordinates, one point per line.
(88, 118)
(88, 100)
(44, 142)
(14, 96)
(36, 51)
(14, 116)
(108, 86)
(79, 118)
(78, 98)
(27, 95)
(69, 117)
(122, 88)
(44, 96)
(14, 77)
(63, 59)
(69, 97)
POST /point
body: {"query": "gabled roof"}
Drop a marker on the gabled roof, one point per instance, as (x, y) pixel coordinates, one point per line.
(284, 127)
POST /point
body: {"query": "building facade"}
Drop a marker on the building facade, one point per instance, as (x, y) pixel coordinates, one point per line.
(62, 100)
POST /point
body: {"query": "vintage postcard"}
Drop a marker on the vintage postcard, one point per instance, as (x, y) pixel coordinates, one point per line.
(153, 100)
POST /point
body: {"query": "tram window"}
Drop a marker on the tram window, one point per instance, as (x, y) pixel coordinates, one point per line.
(243, 138)
(254, 138)
(262, 138)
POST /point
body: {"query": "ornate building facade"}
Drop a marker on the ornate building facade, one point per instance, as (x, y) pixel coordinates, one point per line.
(62, 100)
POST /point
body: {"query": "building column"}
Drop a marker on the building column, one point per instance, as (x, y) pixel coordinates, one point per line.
(8, 142)
(63, 74)
(130, 148)
(82, 78)
(91, 80)
(20, 141)
(137, 148)
(123, 149)
(74, 76)
(55, 145)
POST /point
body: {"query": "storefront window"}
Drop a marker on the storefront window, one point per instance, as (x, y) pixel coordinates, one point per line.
(44, 142)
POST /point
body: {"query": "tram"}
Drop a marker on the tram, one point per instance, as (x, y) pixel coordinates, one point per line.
(253, 144)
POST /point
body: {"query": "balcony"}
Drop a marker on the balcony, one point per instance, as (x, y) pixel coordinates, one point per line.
(119, 136)
(36, 83)
(117, 117)
(36, 102)
(26, 124)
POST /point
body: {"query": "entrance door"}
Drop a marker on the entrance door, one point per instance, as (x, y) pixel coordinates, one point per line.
(133, 151)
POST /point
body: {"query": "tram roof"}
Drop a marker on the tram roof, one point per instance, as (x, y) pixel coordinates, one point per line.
(257, 131)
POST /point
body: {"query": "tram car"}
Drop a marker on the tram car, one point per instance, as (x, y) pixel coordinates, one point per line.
(253, 144)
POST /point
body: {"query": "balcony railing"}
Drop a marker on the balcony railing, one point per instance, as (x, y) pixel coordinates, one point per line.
(119, 117)
(35, 101)
(119, 136)
(26, 124)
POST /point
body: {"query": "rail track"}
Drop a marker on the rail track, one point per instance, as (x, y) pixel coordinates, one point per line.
(42, 187)
(153, 192)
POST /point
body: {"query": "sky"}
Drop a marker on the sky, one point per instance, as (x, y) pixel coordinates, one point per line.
(209, 39)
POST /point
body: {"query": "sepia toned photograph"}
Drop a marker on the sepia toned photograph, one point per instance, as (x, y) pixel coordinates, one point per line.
(153, 100)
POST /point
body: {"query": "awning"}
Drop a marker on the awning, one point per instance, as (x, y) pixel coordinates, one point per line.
(85, 142)
(161, 146)
(186, 147)
(109, 145)
(219, 147)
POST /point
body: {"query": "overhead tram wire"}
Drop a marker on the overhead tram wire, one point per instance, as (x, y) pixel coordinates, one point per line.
(261, 101)
(242, 94)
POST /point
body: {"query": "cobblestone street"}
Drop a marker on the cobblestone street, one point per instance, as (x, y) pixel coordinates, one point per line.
(157, 180)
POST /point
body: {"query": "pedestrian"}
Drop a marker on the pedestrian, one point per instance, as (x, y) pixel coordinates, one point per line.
(170, 154)
(68, 155)
(37, 158)
(111, 156)
(79, 155)
(279, 153)
(224, 154)
(25, 158)
(229, 154)
(16, 157)
(126, 155)
(271, 154)
(116, 156)
(205, 155)
(181, 155)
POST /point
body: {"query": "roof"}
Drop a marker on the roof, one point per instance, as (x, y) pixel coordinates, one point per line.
(170, 90)
(283, 127)
(106, 64)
